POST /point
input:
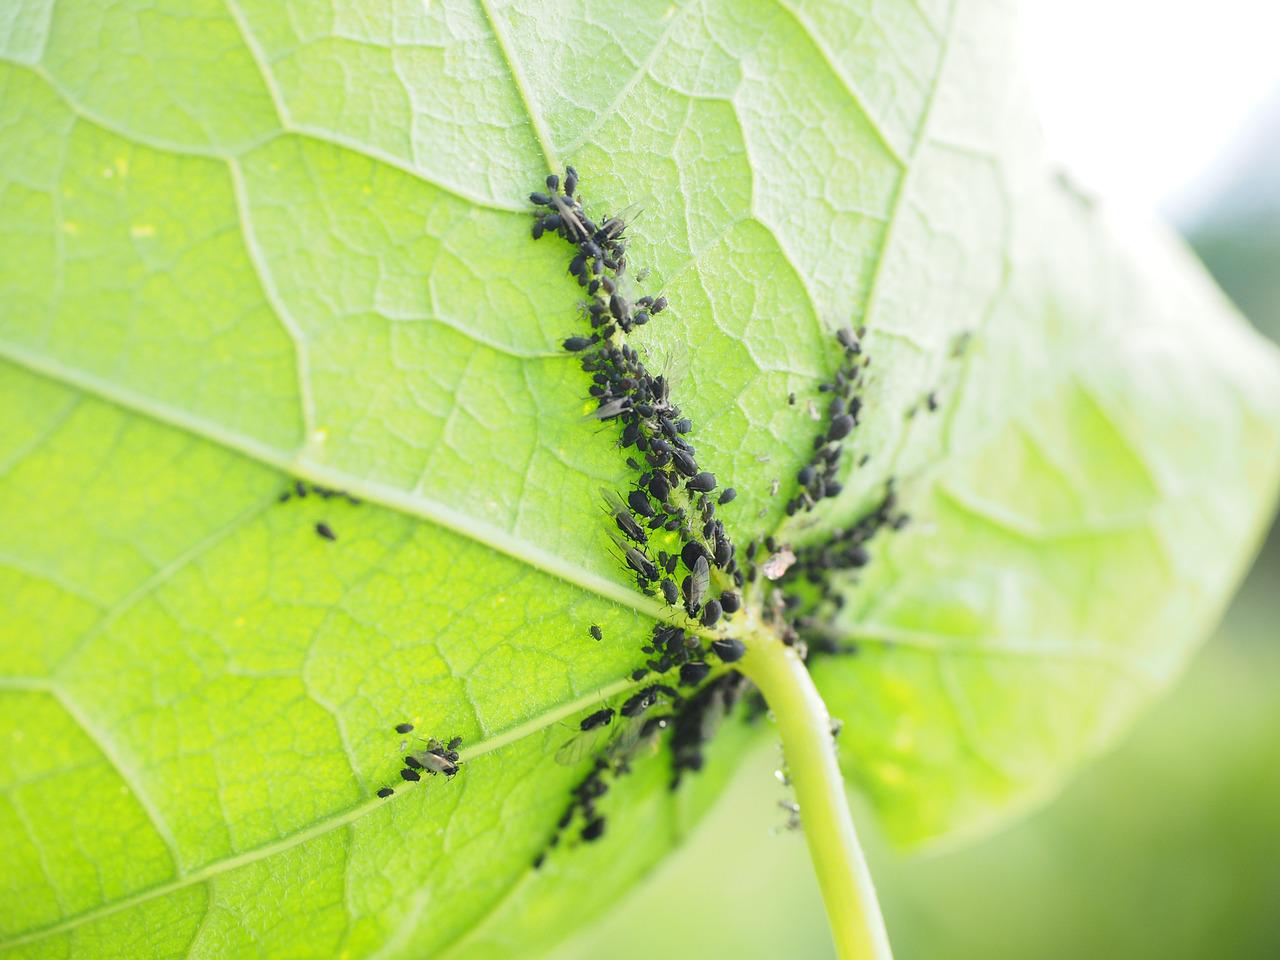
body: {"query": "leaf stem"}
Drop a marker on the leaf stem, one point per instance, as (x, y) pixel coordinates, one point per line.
(805, 726)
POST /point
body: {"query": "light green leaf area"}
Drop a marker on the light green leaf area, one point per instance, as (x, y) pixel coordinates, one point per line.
(251, 240)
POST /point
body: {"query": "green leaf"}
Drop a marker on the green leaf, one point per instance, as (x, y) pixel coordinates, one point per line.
(249, 240)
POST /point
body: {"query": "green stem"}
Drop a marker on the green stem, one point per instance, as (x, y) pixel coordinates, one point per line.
(850, 897)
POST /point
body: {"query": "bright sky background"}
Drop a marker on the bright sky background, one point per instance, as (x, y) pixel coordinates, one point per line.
(1138, 98)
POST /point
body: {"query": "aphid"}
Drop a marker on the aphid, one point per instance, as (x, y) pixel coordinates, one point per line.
(696, 585)
(570, 181)
(659, 487)
(385, 792)
(437, 763)
(639, 562)
(611, 409)
(553, 182)
(704, 482)
(622, 517)
(600, 718)
(658, 305)
(640, 674)
(594, 829)
(684, 463)
(711, 613)
(729, 650)
(931, 401)
(454, 744)
(670, 592)
(724, 553)
(640, 503)
(840, 427)
(410, 774)
(730, 602)
(324, 530)
(727, 496)
(691, 552)
(692, 674)
(639, 703)
(541, 199)
(596, 633)
(575, 344)
(404, 728)
(848, 340)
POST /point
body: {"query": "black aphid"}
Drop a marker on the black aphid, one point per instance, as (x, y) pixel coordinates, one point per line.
(404, 728)
(692, 674)
(711, 613)
(840, 427)
(670, 592)
(594, 829)
(704, 482)
(729, 650)
(640, 503)
(385, 792)
(596, 633)
(324, 530)
(730, 602)
(412, 761)
(727, 496)
(455, 743)
(575, 344)
(410, 774)
(600, 718)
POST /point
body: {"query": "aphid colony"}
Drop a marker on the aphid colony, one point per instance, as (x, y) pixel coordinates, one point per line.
(299, 489)
(818, 478)
(438, 757)
(672, 494)
(619, 737)
(811, 606)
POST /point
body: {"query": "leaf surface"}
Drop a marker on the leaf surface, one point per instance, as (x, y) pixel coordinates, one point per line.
(252, 240)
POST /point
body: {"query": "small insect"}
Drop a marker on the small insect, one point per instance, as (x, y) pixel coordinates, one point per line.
(454, 744)
(600, 718)
(404, 728)
(695, 585)
(730, 602)
(711, 613)
(670, 592)
(727, 496)
(570, 181)
(692, 674)
(596, 633)
(622, 517)
(410, 774)
(840, 427)
(594, 829)
(729, 650)
(640, 503)
(324, 530)
(437, 763)
(576, 344)
(385, 792)
(703, 482)
(684, 463)
(659, 487)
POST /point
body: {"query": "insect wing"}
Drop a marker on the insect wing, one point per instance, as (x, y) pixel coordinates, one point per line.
(584, 745)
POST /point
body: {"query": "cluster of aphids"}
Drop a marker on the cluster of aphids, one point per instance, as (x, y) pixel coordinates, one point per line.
(807, 593)
(299, 489)
(818, 478)
(437, 758)
(619, 737)
(672, 494)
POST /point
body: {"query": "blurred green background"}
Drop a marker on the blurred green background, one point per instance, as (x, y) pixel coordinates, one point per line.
(1168, 847)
